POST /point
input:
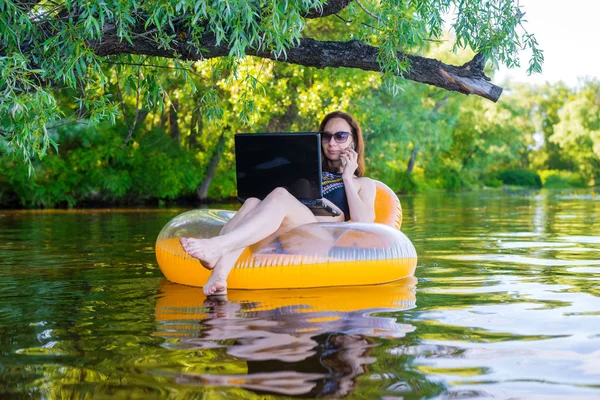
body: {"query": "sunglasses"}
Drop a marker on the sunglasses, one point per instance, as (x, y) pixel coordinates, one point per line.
(340, 137)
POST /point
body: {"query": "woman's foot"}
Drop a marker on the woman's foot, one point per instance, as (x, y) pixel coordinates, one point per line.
(216, 284)
(205, 250)
(217, 281)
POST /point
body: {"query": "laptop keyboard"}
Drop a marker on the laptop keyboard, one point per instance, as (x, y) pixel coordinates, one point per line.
(319, 208)
(312, 203)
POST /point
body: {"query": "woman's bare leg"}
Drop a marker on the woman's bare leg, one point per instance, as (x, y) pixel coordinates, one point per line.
(249, 205)
(217, 282)
(277, 209)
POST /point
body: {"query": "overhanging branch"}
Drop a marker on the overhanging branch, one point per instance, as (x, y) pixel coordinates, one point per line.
(468, 78)
(330, 8)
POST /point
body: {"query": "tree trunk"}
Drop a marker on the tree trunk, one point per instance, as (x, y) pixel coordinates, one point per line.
(142, 115)
(163, 121)
(212, 168)
(415, 150)
(282, 123)
(411, 162)
(174, 131)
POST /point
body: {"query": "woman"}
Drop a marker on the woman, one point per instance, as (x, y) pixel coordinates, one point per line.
(344, 187)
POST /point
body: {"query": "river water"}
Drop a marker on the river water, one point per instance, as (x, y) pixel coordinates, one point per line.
(505, 304)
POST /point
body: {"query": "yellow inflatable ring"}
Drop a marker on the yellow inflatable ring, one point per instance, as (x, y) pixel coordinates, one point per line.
(312, 255)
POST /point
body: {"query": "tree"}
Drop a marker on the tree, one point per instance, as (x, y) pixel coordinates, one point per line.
(488, 137)
(48, 46)
(546, 101)
(578, 132)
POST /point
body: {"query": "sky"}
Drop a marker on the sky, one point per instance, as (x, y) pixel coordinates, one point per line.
(569, 34)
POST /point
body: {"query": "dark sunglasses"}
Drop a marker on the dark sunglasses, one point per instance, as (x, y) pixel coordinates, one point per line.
(340, 137)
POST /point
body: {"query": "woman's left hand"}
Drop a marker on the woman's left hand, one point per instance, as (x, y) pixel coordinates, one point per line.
(350, 157)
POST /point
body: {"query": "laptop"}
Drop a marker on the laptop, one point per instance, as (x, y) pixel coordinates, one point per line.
(265, 161)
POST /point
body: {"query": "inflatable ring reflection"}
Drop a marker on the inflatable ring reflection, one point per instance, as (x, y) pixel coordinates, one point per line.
(344, 309)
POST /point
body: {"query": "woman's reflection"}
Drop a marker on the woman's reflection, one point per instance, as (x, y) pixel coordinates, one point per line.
(308, 342)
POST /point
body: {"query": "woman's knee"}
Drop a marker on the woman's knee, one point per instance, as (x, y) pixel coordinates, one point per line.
(251, 203)
(295, 212)
(280, 194)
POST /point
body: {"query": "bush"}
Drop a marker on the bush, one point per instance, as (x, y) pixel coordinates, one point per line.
(520, 177)
(556, 179)
(90, 166)
(492, 181)
(578, 181)
(452, 180)
(405, 182)
(399, 181)
(556, 182)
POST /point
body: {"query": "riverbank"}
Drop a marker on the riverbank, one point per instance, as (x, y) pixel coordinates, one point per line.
(232, 203)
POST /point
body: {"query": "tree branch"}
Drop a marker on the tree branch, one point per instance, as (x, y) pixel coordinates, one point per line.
(467, 79)
(137, 113)
(26, 5)
(331, 7)
(367, 11)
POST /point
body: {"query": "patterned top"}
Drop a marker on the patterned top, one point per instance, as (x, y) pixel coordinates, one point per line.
(335, 191)
(331, 182)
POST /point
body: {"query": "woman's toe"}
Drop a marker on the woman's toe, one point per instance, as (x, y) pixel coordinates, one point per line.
(216, 288)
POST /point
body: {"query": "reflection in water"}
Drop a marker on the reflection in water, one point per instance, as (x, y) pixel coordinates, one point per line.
(509, 307)
(301, 342)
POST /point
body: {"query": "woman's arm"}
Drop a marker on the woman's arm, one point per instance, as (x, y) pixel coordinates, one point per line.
(362, 201)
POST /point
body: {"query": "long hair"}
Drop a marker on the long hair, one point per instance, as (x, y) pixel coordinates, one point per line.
(357, 136)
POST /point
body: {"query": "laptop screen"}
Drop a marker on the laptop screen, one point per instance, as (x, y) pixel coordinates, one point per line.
(265, 161)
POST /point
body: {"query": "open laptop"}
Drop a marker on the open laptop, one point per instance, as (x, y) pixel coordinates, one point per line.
(265, 161)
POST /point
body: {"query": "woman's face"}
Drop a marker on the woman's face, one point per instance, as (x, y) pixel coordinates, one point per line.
(332, 148)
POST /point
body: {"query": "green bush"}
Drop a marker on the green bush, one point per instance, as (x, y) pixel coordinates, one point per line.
(492, 181)
(556, 182)
(520, 177)
(578, 181)
(556, 179)
(452, 180)
(404, 182)
(91, 166)
(400, 181)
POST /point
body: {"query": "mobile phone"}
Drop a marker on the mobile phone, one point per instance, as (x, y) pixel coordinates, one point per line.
(344, 161)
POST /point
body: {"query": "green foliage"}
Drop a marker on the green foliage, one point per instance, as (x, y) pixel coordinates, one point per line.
(556, 182)
(182, 109)
(547, 102)
(492, 181)
(401, 181)
(495, 28)
(486, 138)
(578, 132)
(92, 168)
(567, 123)
(520, 177)
(562, 179)
(45, 56)
(460, 143)
(452, 180)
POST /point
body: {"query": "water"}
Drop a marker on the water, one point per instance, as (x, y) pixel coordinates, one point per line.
(507, 305)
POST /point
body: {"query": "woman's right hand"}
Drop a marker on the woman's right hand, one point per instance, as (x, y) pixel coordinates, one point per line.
(349, 159)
